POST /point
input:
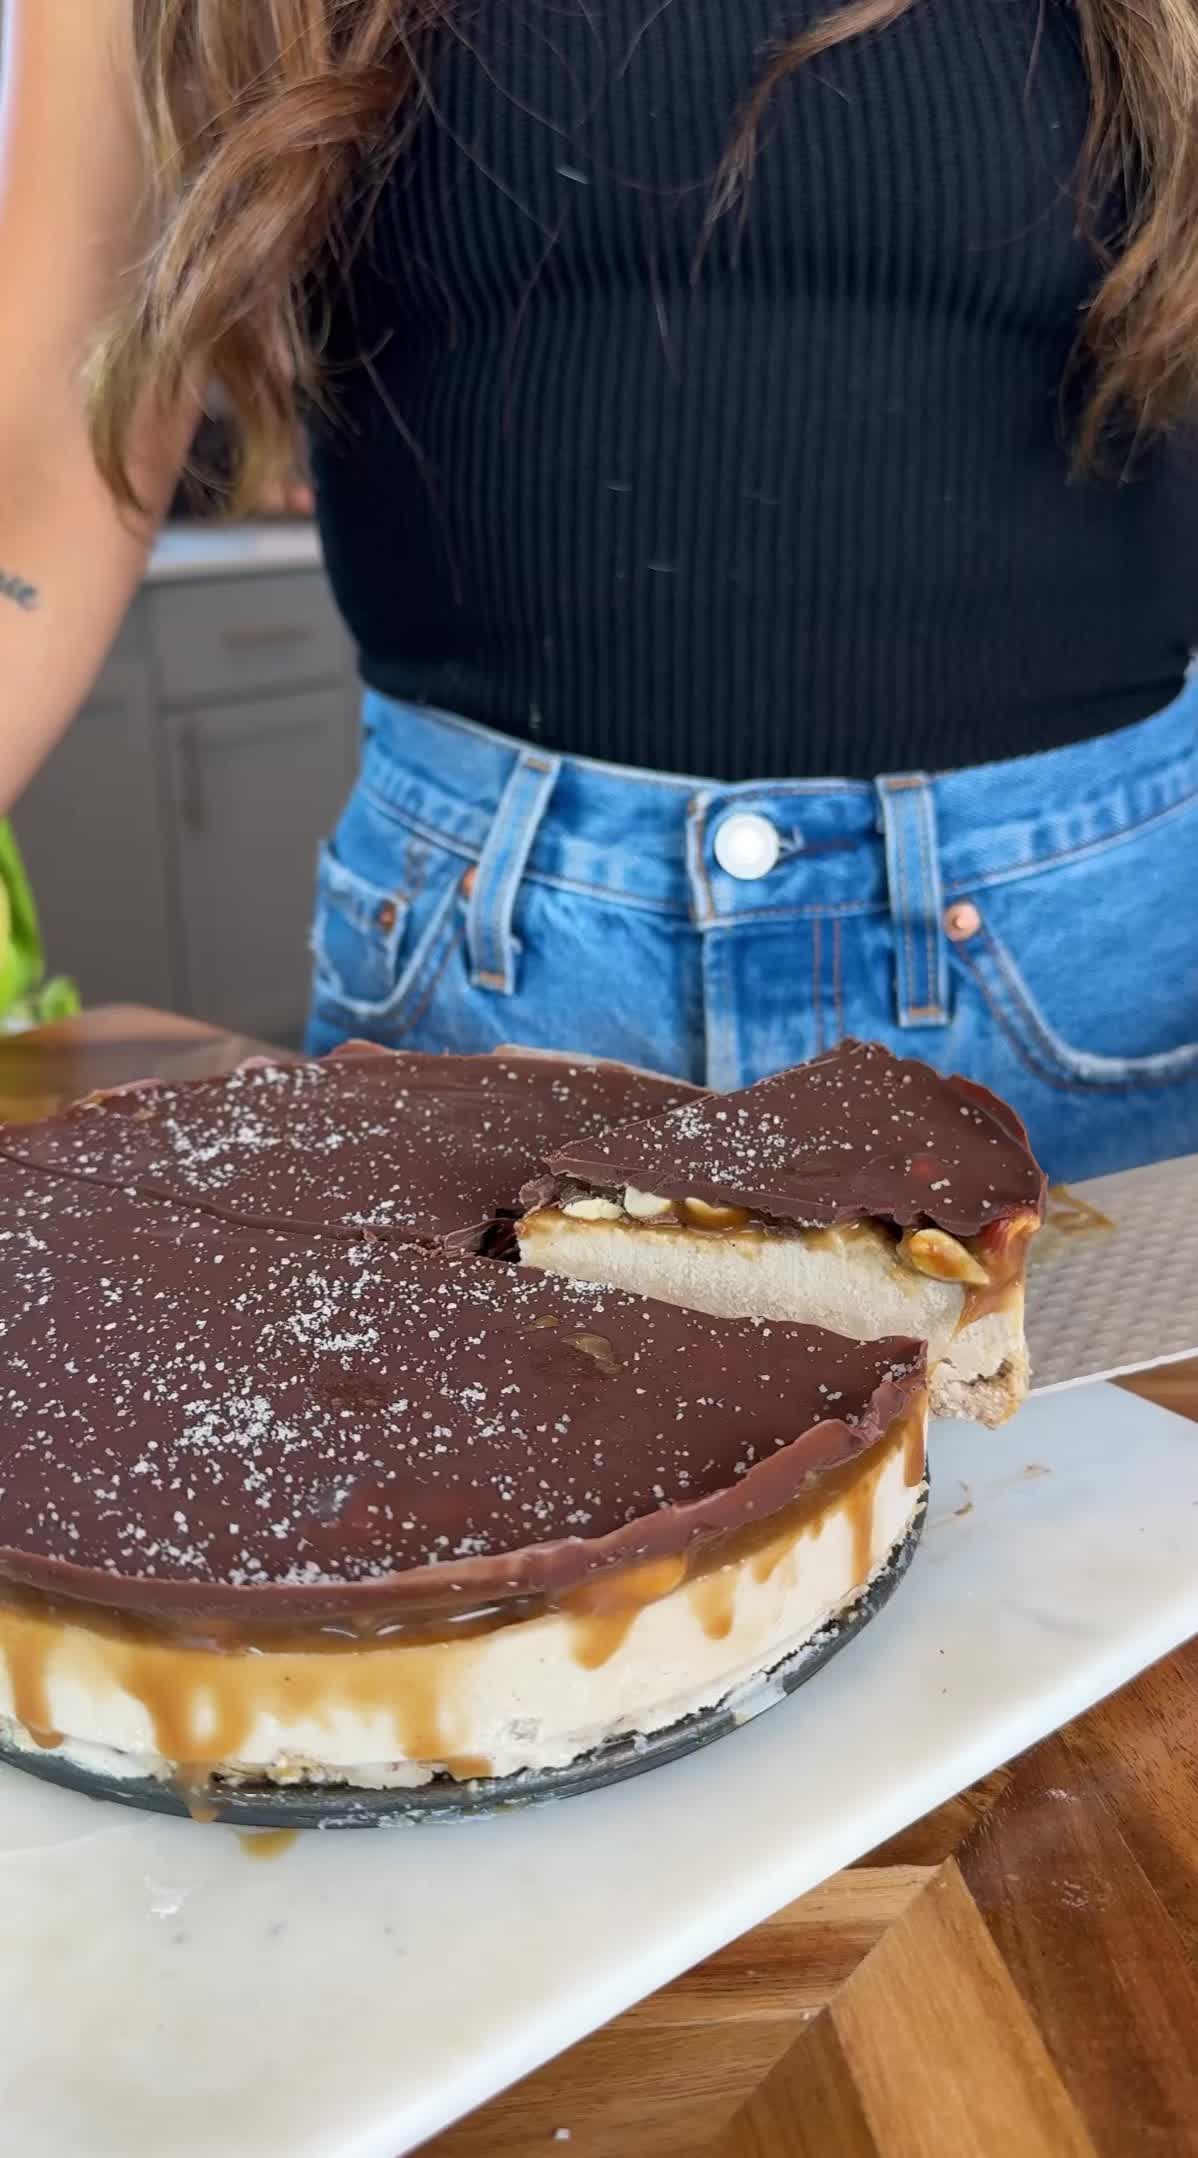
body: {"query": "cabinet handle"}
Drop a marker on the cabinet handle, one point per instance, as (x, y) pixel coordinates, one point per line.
(246, 640)
(191, 775)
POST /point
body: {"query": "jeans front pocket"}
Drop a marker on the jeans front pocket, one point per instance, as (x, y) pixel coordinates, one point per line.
(389, 911)
(1090, 966)
(357, 939)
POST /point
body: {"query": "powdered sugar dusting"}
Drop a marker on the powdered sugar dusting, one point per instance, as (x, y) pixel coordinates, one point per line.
(406, 1146)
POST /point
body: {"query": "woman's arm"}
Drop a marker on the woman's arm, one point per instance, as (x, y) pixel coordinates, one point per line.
(71, 198)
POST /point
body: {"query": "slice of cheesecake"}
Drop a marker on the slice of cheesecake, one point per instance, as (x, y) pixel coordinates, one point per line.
(861, 1192)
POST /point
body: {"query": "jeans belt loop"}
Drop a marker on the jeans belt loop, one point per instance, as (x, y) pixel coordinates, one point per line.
(490, 944)
(907, 820)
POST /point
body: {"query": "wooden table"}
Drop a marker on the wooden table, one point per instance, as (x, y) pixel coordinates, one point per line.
(1014, 1977)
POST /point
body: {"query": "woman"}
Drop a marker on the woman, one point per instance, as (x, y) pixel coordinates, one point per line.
(750, 446)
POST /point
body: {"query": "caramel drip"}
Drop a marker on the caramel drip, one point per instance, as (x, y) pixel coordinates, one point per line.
(602, 1615)
(1071, 1215)
(860, 1503)
(765, 1563)
(28, 1676)
(766, 1543)
(467, 1767)
(194, 1725)
(713, 1599)
(1002, 1251)
(851, 1488)
(419, 1709)
(859, 1507)
(594, 1641)
(202, 1705)
(1068, 1216)
(603, 1612)
(996, 1296)
(267, 1843)
(915, 1449)
(198, 1799)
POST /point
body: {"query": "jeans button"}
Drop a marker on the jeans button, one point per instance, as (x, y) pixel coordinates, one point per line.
(746, 845)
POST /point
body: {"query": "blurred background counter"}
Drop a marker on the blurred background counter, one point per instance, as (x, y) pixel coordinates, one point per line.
(171, 838)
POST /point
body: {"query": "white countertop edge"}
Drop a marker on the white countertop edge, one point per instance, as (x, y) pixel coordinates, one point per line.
(184, 551)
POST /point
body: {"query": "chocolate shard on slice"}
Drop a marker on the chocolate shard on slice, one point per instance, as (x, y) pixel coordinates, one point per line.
(853, 1133)
(861, 1191)
(431, 1149)
(220, 1435)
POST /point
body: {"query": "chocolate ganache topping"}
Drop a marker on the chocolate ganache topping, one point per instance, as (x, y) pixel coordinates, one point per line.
(202, 1416)
(427, 1149)
(856, 1132)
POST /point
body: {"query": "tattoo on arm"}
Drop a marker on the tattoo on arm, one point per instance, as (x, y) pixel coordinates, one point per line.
(22, 594)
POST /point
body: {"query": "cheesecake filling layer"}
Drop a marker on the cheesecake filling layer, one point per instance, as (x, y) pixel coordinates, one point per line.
(491, 1695)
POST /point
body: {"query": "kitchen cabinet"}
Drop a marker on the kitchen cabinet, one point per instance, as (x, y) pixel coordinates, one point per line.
(171, 837)
(251, 787)
(220, 637)
(91, 831)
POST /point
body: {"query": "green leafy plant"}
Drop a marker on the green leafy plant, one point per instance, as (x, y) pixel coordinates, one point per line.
(27, 997)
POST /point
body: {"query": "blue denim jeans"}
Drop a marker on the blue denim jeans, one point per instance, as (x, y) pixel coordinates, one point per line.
(1032, 923)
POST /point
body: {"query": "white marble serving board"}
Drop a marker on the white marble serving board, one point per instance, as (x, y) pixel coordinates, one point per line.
(164, 1996)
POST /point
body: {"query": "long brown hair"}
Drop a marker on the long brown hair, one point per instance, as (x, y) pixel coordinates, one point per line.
(256, 114)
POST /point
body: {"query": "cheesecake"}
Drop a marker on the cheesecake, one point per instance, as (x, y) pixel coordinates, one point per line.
(861, 1192)
(287, 1499)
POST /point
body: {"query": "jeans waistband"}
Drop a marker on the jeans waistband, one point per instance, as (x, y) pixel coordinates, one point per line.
(647, 839)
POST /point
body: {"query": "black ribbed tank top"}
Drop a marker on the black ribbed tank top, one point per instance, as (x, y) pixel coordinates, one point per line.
(794, 503)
